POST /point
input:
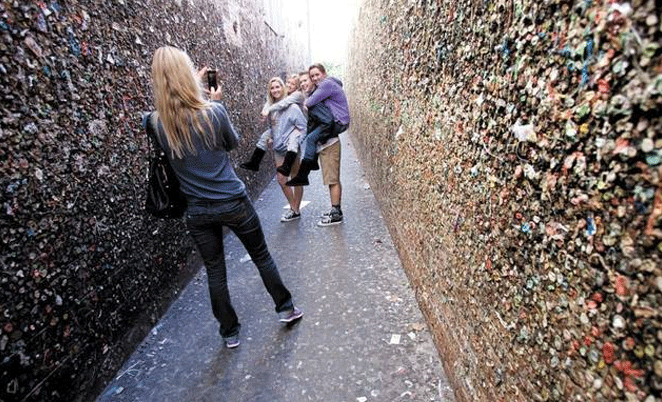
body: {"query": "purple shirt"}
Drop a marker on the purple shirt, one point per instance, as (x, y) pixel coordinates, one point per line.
(330, 92)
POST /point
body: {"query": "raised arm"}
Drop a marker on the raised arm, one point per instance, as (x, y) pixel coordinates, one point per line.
(294, 98)
(324, 90)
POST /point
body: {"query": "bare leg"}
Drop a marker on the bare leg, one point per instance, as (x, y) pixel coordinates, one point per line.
(298, 190)
(298, 196)
(287, 190)
(335, 192)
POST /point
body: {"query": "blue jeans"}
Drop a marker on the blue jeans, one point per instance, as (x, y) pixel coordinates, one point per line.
(205, 221)
(320, 128)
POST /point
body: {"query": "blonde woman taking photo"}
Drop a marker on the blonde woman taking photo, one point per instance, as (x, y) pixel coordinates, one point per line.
(196, 135)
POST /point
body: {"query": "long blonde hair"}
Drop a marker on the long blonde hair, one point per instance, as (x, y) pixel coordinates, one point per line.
(269, 96)
(179, 101)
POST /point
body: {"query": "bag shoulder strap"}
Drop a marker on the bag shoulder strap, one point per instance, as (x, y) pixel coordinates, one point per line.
(150, 128)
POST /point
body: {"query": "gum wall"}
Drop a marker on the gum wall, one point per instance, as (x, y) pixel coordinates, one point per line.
(515, 148)
(85, 272)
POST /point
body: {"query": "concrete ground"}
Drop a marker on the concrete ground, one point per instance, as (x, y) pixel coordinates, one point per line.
(362, 337)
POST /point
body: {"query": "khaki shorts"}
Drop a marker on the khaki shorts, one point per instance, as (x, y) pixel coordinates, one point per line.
(329, 159)
(278, 157)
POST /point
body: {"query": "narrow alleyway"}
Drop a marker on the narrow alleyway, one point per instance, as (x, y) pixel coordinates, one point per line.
(362, 338)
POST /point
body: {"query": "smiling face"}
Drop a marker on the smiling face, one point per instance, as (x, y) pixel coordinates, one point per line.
(305, 82)
(292, 85)
(316, 76)
(276, 90)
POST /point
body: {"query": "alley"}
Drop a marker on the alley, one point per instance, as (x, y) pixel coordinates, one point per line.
(362, 337)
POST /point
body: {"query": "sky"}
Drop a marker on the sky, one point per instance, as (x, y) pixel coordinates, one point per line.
(330, 24)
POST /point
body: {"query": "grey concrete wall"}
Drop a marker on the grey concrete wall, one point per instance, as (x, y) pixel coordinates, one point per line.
(515, 148)
(84, 271)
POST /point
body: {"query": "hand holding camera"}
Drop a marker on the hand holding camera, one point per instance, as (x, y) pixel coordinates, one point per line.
(212, 84)
(213, 90)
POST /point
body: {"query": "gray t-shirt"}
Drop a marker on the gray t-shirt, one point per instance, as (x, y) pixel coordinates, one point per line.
(208, 174)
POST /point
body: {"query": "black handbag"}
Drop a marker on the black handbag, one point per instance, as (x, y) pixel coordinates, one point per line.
(164, 198)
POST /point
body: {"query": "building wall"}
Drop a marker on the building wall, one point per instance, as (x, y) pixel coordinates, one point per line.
(84, 271)
(515, 148)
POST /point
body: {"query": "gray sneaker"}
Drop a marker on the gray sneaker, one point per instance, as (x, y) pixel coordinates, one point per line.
(231, 342)
(288, 316)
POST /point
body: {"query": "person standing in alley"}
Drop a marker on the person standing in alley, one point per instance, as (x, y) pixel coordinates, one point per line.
(196, 135)
(294, 96)
(327, 105)
(286, 124)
